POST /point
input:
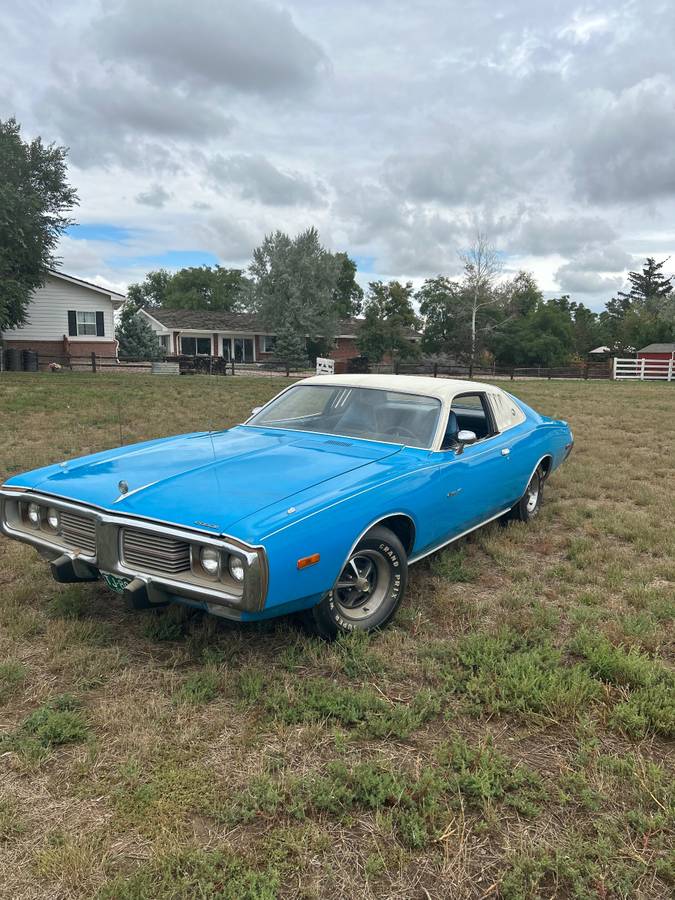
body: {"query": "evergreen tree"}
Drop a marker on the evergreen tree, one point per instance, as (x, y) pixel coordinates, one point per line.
(643, 314)
(291, 347)
(650, 284)
(136, 337)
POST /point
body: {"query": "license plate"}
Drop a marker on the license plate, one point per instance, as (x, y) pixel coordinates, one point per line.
(116, 583)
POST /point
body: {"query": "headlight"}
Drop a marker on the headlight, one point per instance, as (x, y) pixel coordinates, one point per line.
(53, 518)
(209, 557)
(34, 514)
(236, 567)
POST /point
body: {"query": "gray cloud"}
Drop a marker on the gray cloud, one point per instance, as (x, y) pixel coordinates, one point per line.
(574, 281)
(156, 196)
(626, 153)
(395, 128)
(136, 123)
(540, 235)
(249, 45)
(257, 179)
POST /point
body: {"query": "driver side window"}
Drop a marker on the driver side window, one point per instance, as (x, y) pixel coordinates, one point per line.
(468, 412)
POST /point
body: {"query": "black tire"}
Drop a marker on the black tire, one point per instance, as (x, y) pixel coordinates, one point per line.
(367, 601)
(527, 508)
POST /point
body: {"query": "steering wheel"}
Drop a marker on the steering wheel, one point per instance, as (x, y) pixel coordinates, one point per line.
(400, 431)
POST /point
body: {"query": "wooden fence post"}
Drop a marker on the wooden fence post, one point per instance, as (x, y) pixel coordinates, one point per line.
(93, 361)
(513, 372)
(288, 370)
(435, 370)
(586, 372)
(233, 365)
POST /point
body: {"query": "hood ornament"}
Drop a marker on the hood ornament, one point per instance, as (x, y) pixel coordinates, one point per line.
(123, 487)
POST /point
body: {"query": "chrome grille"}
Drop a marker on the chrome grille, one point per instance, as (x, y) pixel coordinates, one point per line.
(79, 532)
(149, 550)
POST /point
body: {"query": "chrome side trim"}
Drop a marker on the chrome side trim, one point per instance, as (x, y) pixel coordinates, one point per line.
(414, 559)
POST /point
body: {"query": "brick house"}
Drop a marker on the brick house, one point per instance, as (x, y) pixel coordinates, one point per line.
(234, 336)
(67, 317)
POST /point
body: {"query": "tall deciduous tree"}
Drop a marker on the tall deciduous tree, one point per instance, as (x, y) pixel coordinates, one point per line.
(152, 290)
(35, 201)
(445, 309)
(388, 321)
(194, 287)
(348, 295)
(543, 337)
(482, 267)
(294, 286)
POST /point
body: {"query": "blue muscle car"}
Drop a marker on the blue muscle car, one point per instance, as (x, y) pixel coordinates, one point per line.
(318, 503)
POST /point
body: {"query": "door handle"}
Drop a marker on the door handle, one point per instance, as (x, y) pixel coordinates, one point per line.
(505, 451)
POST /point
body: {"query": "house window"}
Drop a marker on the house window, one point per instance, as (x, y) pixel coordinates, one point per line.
(86, 323)
(190, 346)
(269, 342)
(164, 342)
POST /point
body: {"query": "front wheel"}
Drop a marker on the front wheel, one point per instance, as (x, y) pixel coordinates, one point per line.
(368, 590)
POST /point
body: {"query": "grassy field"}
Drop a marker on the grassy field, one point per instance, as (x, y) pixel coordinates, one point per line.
(509, 736)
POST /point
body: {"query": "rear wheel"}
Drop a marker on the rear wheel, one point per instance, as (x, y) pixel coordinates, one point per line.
(529, 504)
(369, 588)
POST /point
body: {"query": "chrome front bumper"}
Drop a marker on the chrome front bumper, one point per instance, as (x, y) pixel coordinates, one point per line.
(108, 557)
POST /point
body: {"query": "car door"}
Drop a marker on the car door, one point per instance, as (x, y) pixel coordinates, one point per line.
(474, 480)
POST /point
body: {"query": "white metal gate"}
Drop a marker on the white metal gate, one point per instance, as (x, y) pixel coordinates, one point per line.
(643, 369)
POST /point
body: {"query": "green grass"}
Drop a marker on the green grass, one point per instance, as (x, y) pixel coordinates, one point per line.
(508, 736)
(188, 874)
(59, 721)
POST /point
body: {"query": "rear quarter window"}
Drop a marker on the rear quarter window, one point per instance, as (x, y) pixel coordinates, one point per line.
(506, 411)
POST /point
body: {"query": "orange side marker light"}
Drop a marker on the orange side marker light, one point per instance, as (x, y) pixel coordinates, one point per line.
(308, 560)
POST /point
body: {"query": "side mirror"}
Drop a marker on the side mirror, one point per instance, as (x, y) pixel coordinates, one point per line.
(464, 438)
(256, 410)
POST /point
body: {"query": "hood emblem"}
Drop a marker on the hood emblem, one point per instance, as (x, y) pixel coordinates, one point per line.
(123, 487)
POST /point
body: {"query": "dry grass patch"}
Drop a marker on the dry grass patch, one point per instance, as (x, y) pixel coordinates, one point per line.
(508, 736)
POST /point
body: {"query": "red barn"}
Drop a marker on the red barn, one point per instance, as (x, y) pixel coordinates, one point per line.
(657, 351)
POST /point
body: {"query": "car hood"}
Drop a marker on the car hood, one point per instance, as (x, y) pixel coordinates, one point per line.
(208, 481)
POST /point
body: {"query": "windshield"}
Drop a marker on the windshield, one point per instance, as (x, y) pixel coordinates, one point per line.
(373, 415)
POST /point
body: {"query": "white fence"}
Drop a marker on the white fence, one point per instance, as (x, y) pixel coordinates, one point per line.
(643, 369)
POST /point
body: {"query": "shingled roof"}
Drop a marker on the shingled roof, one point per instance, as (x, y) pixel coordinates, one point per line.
(218, 320)
(658, 348)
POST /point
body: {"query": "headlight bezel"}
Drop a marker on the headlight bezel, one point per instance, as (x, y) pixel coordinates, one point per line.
(226, 562)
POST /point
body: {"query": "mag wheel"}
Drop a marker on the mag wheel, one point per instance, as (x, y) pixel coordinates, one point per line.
(369, 588)
(530, 503)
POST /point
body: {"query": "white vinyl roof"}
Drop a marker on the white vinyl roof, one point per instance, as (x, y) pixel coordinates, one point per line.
(443, 389)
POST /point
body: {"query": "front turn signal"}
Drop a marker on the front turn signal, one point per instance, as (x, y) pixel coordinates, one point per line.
(308, 560)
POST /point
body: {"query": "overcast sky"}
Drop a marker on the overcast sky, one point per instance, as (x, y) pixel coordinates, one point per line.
(397, 128)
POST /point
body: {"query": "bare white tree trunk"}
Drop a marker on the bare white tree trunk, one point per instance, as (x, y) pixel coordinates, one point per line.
(482, 266)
